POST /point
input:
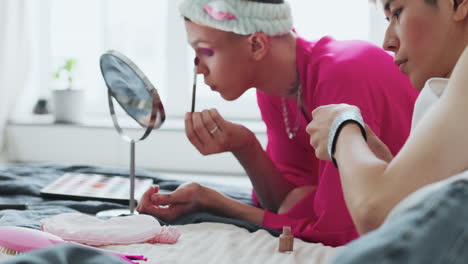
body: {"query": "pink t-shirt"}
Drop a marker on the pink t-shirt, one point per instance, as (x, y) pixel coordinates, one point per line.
(352, 72)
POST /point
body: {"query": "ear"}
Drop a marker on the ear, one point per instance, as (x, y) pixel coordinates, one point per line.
(460, 9)
(260, 44)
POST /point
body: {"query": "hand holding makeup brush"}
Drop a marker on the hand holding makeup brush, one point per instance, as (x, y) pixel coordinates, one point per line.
(211, 134)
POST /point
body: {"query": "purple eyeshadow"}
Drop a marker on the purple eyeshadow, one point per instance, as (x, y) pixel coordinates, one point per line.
(206, 51)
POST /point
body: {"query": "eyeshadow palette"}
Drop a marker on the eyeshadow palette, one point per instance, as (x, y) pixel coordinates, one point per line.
(81, 186)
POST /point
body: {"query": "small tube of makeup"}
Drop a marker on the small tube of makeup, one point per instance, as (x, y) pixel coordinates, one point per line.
(286, 240)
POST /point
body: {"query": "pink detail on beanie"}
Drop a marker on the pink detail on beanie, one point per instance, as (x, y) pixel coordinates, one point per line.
(218, 15)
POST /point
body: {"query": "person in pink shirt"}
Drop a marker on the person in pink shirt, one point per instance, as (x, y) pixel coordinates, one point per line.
(242, 44)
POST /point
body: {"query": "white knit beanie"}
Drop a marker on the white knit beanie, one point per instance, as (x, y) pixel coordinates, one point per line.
(240, 16)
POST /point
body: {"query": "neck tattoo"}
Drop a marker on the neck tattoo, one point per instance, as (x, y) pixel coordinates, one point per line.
(296, 88)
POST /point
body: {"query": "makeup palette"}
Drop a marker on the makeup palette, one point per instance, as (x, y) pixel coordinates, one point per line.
(82, 186)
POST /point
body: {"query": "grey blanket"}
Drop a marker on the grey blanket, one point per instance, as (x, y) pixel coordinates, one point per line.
(65, 254)
(22, 184)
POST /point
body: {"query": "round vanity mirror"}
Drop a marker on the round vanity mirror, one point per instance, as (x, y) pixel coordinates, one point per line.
(131, 89)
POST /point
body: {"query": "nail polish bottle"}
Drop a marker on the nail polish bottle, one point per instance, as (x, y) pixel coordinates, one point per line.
(286, 240)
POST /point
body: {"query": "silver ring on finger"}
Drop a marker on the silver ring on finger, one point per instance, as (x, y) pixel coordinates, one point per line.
(214, 129)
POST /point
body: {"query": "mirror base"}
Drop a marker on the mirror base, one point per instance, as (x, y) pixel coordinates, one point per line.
(116, 212)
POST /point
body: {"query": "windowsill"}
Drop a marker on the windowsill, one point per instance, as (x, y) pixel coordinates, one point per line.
(95, 142)
(170, 124)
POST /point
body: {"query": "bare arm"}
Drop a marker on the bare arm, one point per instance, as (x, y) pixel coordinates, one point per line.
(230, 207)
(193, 197)
(268, 182)
(437, 149)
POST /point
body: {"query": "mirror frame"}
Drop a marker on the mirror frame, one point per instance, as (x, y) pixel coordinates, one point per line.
(157, 106)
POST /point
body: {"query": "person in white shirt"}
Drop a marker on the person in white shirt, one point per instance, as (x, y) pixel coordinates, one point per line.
(429, 39)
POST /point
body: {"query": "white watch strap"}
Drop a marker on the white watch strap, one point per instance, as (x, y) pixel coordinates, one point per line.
(338, 123)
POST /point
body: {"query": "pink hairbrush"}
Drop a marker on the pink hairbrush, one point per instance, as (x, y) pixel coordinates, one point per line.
(16, 240)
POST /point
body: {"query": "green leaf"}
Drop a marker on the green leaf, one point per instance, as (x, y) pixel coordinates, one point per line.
(69, 64)
(68, 67)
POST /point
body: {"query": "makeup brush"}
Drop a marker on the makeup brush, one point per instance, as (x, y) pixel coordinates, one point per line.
(194, 88)
(16, 240)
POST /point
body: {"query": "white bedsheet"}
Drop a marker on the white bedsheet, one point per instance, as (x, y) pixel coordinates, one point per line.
(221, 243)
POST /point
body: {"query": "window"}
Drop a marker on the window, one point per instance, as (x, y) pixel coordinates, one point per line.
(151, 33)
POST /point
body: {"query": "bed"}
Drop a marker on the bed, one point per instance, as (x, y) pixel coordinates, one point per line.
(205, 238)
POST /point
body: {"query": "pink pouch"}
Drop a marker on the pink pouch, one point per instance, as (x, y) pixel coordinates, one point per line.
(122, 230)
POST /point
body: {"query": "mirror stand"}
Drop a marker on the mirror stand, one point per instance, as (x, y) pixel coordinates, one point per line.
(132, 177)
(131, 210)
(132, 90)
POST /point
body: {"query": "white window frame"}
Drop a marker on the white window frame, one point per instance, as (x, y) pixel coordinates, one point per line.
(178, 68)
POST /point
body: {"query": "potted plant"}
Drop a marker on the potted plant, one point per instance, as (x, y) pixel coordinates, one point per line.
(68, 101)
